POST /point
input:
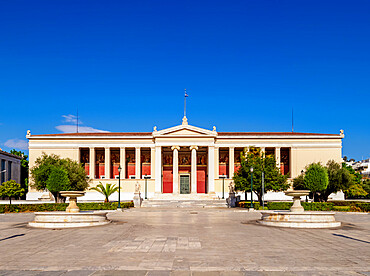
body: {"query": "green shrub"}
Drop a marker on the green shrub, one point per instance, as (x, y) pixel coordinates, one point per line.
(279, 205)
(353, 206)
(362, 206)
(317, 206)
(341, 208)
(247, 204)
(17, 208)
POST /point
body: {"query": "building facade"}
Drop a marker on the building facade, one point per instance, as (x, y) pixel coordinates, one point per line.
(10, 167)
(180, 160)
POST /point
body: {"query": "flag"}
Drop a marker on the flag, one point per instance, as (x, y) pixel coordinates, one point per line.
(186, 94)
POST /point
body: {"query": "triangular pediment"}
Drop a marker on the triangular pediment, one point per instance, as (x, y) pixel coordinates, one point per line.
(185, 131)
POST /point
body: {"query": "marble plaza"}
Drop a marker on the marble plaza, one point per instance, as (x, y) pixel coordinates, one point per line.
(184, 241)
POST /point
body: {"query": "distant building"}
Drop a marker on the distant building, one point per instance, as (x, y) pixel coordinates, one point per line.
(362, 167)
(183, 159)
(10, 167)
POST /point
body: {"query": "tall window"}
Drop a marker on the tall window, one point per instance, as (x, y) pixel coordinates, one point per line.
(9, 170)
(2, 171)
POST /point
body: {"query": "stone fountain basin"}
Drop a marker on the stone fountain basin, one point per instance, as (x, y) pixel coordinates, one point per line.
(69, 220)
(72, 193)
(297, 193)
(311, 219)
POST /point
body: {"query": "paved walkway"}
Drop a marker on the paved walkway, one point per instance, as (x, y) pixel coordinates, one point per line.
(151, 241)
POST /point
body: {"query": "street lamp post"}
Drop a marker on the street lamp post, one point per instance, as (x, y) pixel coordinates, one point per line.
(263, 190)
(119, 187)
(251, 187)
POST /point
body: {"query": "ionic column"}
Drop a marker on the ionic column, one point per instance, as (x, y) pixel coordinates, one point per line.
(175, 168)
(122, 161)
(158, 169)
(217, 162)
(277, 157)
(78, 156)
(152, 162)
(231, 162)
(293, 167)
(137, 163)
(211, 169)
(107, 163)
(193, 169)
(92, 163)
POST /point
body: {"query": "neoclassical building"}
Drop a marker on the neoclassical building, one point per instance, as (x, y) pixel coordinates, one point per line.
(183, 159)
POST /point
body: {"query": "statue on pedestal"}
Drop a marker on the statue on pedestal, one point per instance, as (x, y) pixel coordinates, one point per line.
(231, 200)
(137, 196)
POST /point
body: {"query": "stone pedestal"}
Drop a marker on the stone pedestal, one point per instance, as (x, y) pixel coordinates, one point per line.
(296, 207)
(137, 200)
(72, 207)
(231, 200)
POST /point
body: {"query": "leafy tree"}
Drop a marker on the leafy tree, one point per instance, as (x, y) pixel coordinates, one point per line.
(357, 187)
(58, 181)
(42, 169)
(316, 179)
(339, 179)
(45, 164)
(298, 183)
(273, 180)
(107, 191)
(24, 168)
(366, 187)
(11, 189)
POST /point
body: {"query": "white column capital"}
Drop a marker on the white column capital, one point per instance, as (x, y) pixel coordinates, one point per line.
(175, 147)
(194, 147)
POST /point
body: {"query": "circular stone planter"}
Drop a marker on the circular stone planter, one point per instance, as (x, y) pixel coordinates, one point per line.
(299, 219)
(69, 220)
(72, 217)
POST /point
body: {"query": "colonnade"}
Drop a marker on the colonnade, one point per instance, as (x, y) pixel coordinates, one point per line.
(156, 164)
(122, 150)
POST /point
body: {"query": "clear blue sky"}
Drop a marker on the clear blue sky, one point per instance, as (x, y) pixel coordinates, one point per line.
(245, 64)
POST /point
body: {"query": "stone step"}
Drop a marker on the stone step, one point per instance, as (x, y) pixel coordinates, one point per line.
(185, 197)
(184, 203)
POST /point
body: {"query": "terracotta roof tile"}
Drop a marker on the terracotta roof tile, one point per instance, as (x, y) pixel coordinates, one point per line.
(98, 134)
(272, 133)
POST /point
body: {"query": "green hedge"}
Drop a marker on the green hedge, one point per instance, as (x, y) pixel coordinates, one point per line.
(345, 206)
(247, 204)
(342, 208)
(17, 208)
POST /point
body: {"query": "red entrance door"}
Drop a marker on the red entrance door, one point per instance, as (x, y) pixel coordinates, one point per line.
(167, 179)
(201, 179)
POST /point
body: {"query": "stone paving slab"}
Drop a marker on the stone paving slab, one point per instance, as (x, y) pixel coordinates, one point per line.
(190, 241)
(175, 273)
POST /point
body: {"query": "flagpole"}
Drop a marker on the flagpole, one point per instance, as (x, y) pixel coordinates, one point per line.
(185, 103)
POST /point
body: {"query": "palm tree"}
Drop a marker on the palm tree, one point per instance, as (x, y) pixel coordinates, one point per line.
(106, 191)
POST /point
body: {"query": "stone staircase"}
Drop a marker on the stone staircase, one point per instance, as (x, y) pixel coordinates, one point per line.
(184, 201)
